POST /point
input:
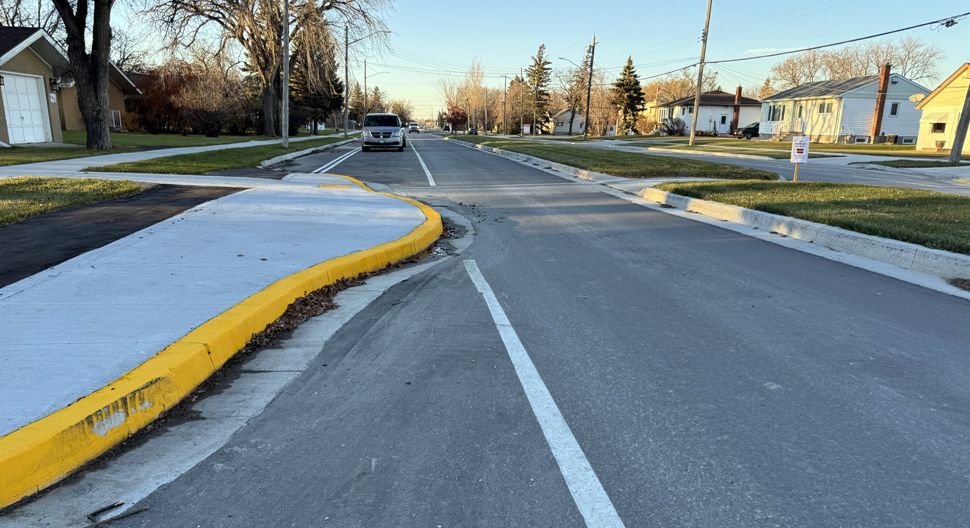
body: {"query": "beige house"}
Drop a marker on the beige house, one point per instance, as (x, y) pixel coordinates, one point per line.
(39, 99)
(941, 112)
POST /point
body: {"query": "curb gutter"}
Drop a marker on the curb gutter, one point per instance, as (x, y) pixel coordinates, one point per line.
(300, 153)
(48, 450)
(903, 254)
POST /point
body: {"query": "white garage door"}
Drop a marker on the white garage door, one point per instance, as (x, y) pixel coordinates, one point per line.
(23, 103)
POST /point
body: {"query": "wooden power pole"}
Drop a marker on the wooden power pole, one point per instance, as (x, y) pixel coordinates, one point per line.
(700, 75)
(589, 87)
(956, 150)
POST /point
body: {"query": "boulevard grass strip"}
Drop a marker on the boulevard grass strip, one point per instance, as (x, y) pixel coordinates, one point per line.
(27, 196)
(144, 140)
(931, 219)
(215, 160)
(626, 164)
(879, 149)
(915, 164)
(715, 149)
(18, 155)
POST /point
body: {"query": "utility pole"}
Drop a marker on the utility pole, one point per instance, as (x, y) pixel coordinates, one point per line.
(589, 86)
(505, 96)
(346, 81)
(486, 109)
(366, 106)
(285, 120)
(956, 150)
(700, 75)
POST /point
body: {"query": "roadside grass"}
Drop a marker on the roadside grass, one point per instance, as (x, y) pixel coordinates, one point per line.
(932, 219)
(27, 196)
(913, 164)
(700, 149)
(216, 160)
(627, 164)
(121, 141)
(880, 149)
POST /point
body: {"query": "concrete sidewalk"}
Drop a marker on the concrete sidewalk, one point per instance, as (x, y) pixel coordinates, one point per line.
(77, 165)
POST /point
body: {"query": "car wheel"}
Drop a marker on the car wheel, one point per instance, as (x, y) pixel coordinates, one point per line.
(401, 148)
(747, 135)
(365, 149)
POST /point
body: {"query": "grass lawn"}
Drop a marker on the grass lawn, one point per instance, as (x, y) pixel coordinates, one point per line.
(33, 195)
(935, 220)
(775, 154)
(630, 165)
(881, 149)
(204, 162)
(914, 164)
(121, 141)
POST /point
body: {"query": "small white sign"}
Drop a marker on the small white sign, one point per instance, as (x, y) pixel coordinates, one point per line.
(53, 98)
(526, 128)
(799, 149)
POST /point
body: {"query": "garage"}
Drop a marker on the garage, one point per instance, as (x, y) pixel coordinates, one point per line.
(25, 109)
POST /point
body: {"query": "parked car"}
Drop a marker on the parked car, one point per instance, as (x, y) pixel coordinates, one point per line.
(472, 131)
(382, 131)
(748, 132)
(413, 127)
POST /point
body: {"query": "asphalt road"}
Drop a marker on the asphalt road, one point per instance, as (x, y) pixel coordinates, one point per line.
(710, 379)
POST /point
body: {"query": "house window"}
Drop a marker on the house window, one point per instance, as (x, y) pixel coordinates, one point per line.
(799, 111)
(894, 109)
(776, 113)
(723, 120)
(116, 119)
(938, 128)
(825, 108)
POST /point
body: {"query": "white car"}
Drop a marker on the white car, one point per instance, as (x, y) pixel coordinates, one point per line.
(382, 131)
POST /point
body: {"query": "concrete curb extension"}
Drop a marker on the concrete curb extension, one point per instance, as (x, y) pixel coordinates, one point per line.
(48, 450)
(300, 153)
(903, 254)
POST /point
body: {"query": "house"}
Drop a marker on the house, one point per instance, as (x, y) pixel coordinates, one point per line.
(38, 102)
(941, 111)
(559, 123)
(715, 112)
(842, 111)
(30, 63)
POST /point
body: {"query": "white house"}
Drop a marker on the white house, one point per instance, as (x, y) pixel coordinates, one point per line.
(941, 112)
(715, 112)
(559, 123)
(842, 111)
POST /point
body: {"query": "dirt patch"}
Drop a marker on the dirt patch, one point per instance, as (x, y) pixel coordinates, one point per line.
(42, 241)
(963, 284)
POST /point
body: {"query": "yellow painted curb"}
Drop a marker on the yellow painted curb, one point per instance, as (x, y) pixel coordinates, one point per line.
(48, 450)
(964, 181)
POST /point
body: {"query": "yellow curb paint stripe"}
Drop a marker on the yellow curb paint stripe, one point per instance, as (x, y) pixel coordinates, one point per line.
(48, 450)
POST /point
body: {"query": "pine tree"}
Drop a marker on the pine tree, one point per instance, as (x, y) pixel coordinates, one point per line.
(628, 97)
(356, 109)
(315, 82)
(538, 75)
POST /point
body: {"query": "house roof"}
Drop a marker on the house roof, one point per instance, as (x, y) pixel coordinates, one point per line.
(824, 88)
(715, 98)
(14, 40)
(564, 112)
(943, 85)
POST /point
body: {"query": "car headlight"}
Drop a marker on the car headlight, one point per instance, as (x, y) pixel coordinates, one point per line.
(363, 134)
(396, 133)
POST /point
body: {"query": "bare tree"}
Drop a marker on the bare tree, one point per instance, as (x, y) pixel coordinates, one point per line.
(257, 26)
(799, 69)
(31, 14)
(128, 52)
(90, 66)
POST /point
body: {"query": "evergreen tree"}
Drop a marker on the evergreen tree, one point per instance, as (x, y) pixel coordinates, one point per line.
(538, 76)
(628, 97)
(376, 101)
(315, 82)
(356, 109)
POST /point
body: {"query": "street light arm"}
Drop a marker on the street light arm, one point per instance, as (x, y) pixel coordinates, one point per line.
(371, 34)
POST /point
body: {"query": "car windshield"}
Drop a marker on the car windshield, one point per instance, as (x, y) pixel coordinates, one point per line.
(381, 121)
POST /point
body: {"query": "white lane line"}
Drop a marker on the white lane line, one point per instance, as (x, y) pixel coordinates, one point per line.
(423, 166)
(338, 161)
(587, 491)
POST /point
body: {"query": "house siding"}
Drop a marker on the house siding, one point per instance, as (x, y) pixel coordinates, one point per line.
(71, 116)
(950, 102)
(27, 62)
(709, 117)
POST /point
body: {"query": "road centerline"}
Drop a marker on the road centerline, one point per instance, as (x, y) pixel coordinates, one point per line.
(423, 166)
(591, 499)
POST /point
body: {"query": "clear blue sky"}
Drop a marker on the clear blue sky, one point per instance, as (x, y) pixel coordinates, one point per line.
(436, 38)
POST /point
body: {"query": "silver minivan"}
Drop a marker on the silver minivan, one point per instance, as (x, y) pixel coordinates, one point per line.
(382, 131)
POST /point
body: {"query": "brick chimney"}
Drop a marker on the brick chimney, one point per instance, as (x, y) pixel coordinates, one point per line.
(737, 110)
(880, 102)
